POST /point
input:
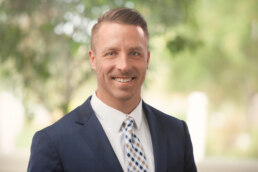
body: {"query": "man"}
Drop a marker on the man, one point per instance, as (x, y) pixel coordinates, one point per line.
(114, 130)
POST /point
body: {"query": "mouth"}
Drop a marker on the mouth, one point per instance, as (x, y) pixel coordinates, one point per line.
(123, 79)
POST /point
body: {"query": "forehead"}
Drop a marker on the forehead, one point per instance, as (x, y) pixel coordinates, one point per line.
(110, 32)
(112, 28)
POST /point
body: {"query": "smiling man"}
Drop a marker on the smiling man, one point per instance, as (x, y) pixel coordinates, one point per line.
(120, 57)
(115, 130)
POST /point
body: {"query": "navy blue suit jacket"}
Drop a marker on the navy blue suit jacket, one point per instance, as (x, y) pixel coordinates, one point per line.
(78, 143)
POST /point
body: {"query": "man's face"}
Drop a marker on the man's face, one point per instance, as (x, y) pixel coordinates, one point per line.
(120, 59)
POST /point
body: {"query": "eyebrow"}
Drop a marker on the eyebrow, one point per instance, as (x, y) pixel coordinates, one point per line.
(136, 48)
(116, 49)
(109, 49)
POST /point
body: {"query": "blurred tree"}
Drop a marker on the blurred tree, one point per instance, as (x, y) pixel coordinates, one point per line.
(45, 42)
(211, 47)
(215, 52)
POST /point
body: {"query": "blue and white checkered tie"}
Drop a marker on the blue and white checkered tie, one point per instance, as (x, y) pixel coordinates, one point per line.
(136, 160)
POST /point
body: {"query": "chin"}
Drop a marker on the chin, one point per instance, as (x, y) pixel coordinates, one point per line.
(125, 96)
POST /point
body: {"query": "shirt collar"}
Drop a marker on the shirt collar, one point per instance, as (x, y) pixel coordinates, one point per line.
(113, 117)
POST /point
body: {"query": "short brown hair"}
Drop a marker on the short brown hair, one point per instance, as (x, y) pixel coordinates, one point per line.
(121, 15)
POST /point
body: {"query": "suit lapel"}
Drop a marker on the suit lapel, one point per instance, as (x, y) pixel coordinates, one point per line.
(95, 137)
(159, 139)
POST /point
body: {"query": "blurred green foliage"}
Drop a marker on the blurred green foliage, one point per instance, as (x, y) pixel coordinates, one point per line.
(199, 45)
(45, 42)
(218, 52)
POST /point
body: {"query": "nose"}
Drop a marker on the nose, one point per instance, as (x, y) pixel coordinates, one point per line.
(123, 63)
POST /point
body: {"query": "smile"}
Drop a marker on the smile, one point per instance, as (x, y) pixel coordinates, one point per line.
(123, 80)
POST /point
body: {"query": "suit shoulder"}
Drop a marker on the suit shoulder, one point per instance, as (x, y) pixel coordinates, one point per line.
(62, 126)
(163, 117)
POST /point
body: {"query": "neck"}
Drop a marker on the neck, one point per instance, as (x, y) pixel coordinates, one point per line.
(123, 105)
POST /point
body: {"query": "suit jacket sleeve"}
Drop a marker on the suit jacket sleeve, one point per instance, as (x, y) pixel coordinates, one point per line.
(189, 158)
(44, 156)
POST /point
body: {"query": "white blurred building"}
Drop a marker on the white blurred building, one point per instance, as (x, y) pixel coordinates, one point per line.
(196, 119)
(11, 121)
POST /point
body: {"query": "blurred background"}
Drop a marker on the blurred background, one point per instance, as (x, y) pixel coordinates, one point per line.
(203, 69)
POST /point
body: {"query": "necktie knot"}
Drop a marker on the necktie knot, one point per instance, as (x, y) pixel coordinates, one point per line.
(128, 124)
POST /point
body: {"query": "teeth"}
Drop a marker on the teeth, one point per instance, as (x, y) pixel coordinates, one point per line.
(123, 79)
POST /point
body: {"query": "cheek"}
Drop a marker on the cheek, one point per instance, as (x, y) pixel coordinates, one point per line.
(144, 69)
(103, 67)
(142, 66)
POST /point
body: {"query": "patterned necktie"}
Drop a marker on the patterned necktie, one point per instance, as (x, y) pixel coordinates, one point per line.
(136, 160)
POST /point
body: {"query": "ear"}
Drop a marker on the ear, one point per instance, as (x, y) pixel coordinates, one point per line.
(92, 59)
(148, 59)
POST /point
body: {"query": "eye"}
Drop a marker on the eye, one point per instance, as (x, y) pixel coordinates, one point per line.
(111, 53)
(135, 53)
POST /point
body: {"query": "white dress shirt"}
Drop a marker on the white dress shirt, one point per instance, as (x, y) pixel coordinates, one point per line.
(112, 120)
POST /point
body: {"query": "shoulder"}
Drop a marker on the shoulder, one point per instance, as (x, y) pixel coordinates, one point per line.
(159, 115)
(69, 123)
(165, 121)
(58, 131)
(175, 133)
